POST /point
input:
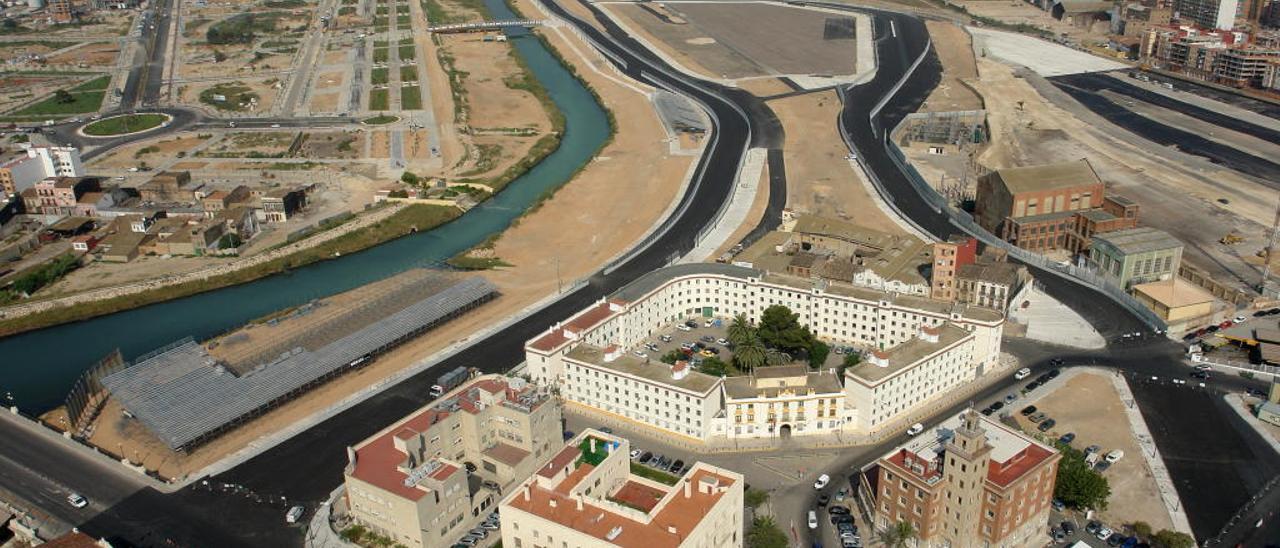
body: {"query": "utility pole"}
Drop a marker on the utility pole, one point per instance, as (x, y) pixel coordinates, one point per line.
(1266, 253)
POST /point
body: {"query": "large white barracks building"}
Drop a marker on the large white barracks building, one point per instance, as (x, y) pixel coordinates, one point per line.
(915, 348)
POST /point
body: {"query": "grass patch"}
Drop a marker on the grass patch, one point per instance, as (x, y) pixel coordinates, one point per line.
(79, 103)
(380, 43)
(39, 276)
(379, 99)
(402, 19)
(242, 28)
(655, 475)
(408, 53)
(409, 73)
(347, 10)
(236, 96)
(403, 8)
(466, 262)
(292, 166)
(418, 217)
(129, 123)
(411, 98)
(97, 84)
(406, 41)
(378, 76)
(53, 45)
(283, 4)
(381, 55)
(381, 120)
(594, 458)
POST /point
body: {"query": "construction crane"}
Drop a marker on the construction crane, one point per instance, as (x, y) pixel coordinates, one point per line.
(1266, 252)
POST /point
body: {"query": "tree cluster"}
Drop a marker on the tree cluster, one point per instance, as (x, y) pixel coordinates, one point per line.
(1078, 484)
(779, 338)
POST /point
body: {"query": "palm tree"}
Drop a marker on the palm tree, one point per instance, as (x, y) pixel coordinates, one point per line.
(741, 331)
(774, 356)
(899, 535)
(749, 354)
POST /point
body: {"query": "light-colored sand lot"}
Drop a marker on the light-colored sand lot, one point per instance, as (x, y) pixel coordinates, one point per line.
(1046, 58)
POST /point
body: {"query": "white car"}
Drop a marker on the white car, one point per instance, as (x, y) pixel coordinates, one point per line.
(1240, 318)
(822, 482)
(684, 327)
(639, 354)
(635, 454)
(1104, 533)
(275, 125)
(1203, 367)
(1115, 456)
(915, 429)
(1022, 373)
(813, 519)
(77, 501)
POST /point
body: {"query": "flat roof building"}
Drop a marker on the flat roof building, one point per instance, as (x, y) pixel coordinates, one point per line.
(586, 496)
(409, 482)
(784, 401)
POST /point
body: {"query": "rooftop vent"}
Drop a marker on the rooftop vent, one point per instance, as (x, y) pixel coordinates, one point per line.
(613, 533)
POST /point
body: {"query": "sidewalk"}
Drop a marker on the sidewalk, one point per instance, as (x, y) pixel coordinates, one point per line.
(735, 213)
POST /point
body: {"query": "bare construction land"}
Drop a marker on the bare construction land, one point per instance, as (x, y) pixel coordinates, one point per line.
(959, 67)
(820, 180)
(726, 40)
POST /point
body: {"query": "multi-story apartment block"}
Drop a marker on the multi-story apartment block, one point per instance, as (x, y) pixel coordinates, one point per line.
(991, 283)
(37, 164)
(892, 383)
(970, 482)
(586, 497)
(589, 356)
(1209, 14)
(59, 195)
(409, 482)
(1050, 207)
(790, 397)
(948, 258)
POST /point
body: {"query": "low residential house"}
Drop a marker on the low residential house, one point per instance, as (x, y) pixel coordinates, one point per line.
(122, 242)
(221, 200)
(59, 195)
(281, 204)
(240, 221)
(85, 243)
(991, 283)
(166, 187)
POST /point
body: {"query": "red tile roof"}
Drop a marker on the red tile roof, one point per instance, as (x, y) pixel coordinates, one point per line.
(561, 460)
(579, 324)
(509, 455)
(1007, 472)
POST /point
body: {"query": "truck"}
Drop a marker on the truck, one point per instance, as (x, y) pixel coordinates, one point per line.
(449, 381)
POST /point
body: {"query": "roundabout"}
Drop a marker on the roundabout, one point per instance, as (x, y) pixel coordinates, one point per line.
(126, 124)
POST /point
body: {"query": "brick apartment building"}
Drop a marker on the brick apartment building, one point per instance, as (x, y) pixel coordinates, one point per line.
(411, 482)
(1050, 207)
(970, 482)
(948, 257)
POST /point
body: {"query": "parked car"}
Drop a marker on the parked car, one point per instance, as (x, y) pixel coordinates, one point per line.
(1038, 417)
(1058, 505)
(1202, 375)
(1022, 373)
(1092, 449)
(915, 429)
(635, 454)
(665, 338)
(1008, 399)
(1102, 466)
(813, 519)
(1053, 374)
(1240, 318)
(77, 501)
(1092, 527)
(1067, 438)
(987, 411)
(1103, 533)
(1114, 456)
(1028, 410)
(677, 465)
(1046, 425)
(822, 482)
(996, 406)
(684, 327)
(1068, 527)
(837, 509)
(644, 458)
(840, 495)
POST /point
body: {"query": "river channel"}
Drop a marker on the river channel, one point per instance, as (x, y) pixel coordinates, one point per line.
(38, 368)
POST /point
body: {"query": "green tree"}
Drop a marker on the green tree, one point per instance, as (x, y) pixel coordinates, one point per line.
(753, 497)
(765, 533)
(740, 330)
(672, 357)
(818, 351)
(899, 535)
(1078, 484)
(63, 96)
(780, 328)
(851, 359)
(749, 355)
(409, 177)
(1173, 539)
(714, 367)
(1142, 529)
(773, 356)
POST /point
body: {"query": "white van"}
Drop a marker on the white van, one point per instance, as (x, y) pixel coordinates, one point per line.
(915, 429)
(294, 514)
(1022, 373)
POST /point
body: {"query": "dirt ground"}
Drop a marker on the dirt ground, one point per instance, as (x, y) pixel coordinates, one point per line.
(1088, 405)
(764, 87)
(324, 102)
(91, 55)
(1177, 193)
(333, 144)
(955, 51)
(819, 179)
(810, 46)
(491, 104)
(379, 144)
(706, 59)
(331, 79)
(1015, 12)
(249, 142)
(129, 156)
(98, 274)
